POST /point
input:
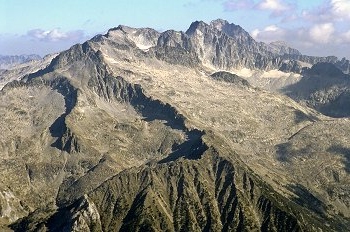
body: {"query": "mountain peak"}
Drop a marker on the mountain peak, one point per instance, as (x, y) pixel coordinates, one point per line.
(325, 69)
(281, 47)
(143, 38)
(197, 25)
(219, 23)
(279, 43)
(122, 28)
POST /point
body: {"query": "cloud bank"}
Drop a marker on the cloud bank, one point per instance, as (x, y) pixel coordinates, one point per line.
(55, 35)
(40, 41)
(323, 27)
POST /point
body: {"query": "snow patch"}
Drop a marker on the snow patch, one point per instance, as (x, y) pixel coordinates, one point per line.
(244, 72)
(275, 74)
(143, 46)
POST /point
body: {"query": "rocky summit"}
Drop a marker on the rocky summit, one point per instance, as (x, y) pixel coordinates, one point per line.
(203, 130)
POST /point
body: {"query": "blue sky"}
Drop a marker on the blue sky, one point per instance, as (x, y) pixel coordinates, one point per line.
(315, 27)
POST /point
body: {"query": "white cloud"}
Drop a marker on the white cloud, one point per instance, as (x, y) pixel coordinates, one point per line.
(322, 33)
(346, 37)
(278, 8)
(329, 11)
(271, 28)
(273, 5)
(231, 5)
(255, 33)
(269, 34)
(55, 35)
(341, 9)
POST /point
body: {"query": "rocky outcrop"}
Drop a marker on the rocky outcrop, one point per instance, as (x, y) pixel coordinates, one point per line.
(291, 66)
(230, 78)
(281, 48)
(81, 216)
(222, 51)
(325, 88)
(176, 48)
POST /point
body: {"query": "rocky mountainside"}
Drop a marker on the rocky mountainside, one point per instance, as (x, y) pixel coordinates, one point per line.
(138, 130)
(280, 47)
(325, 88)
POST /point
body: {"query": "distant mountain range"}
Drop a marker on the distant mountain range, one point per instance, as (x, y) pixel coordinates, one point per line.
(16, 67)
(203, 130)
(7, 62)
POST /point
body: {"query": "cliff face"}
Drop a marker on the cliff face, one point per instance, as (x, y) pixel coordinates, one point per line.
(132, 131)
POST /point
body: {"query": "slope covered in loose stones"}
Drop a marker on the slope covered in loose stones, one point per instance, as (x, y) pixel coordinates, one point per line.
(136, 138)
